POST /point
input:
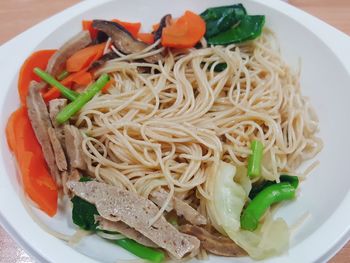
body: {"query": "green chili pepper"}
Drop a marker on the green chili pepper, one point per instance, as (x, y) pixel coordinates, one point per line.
(258, 206)
(63, 75)
(141, 251)
(293, 180)
(68, 93)
(254, 160)
(220, 19)
(249, 27)
(73, 107)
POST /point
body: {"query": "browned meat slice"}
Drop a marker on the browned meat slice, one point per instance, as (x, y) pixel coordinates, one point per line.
(57, 62)
(218, 245)
(125, 230)
(181, 208)
(60, 157)
(40, 120)
(73, 141)
(116, 204)
(73, 175)
(55, 106)
(123, 40)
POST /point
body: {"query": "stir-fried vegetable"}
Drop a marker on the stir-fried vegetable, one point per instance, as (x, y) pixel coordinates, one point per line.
(83, 215)
(254, 161)
(69, 94)
(37, 181)
(186, 32)
(270, 238)
(132, 28)
(26, 75)
(250, 27)
(63, 75)
(293, 180)
(85, 57)
(141, 251)
(220, 19)
(258, 206)
(146, 37)
(82, 99)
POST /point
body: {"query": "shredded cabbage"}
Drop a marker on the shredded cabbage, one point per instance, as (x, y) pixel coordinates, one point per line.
(228, 198)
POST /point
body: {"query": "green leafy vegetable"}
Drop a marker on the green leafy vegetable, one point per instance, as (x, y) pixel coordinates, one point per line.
(83, 214)
(68, 93)
(293, 180)
(254, 160)
(141, 251)
(269, 239)
(73, 107)
(220, 19)
(220, 67)
(258, 206)
(85, 179)
(249, 28)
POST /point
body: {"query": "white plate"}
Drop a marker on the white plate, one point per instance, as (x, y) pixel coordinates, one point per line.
(325, 54)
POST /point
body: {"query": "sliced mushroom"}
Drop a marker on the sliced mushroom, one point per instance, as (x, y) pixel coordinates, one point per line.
(99, 63)
(164, 22)
(123, 40)
(57, 61)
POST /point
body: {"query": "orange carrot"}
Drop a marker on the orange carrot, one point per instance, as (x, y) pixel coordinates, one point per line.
(87, 25)
(84, 57)
(185, 32)
(37, 59)
(133, 28)
(82, 78)
(146, 37)
(155, 27)
(37, 181)
(10, 130)
(108, 85)
(51, 94)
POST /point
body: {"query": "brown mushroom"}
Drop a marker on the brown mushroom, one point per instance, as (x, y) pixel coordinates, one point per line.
(123, 40)
(164, 22)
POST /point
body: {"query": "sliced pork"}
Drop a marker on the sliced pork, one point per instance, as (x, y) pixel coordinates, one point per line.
(40, 120)
(116, 204)
(125, 230)
(73, 142)
(218, 245)
(60, 156)
(181, 208)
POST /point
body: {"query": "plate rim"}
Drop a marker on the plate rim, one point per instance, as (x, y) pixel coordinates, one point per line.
(330, 36)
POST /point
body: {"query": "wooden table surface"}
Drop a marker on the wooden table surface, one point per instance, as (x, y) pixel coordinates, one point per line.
(18, 15)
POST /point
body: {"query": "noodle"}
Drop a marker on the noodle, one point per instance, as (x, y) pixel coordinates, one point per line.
(164, 126)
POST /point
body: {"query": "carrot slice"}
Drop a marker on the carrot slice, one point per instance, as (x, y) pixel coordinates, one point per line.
(83, 78)
(133, 28)
(10, 130)
(155, 27)
(51, 94)
(185, 32)
(37, 59)
(84, 57)
(87, 25)
(146, 37)
(108, 85)
(37, 181)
